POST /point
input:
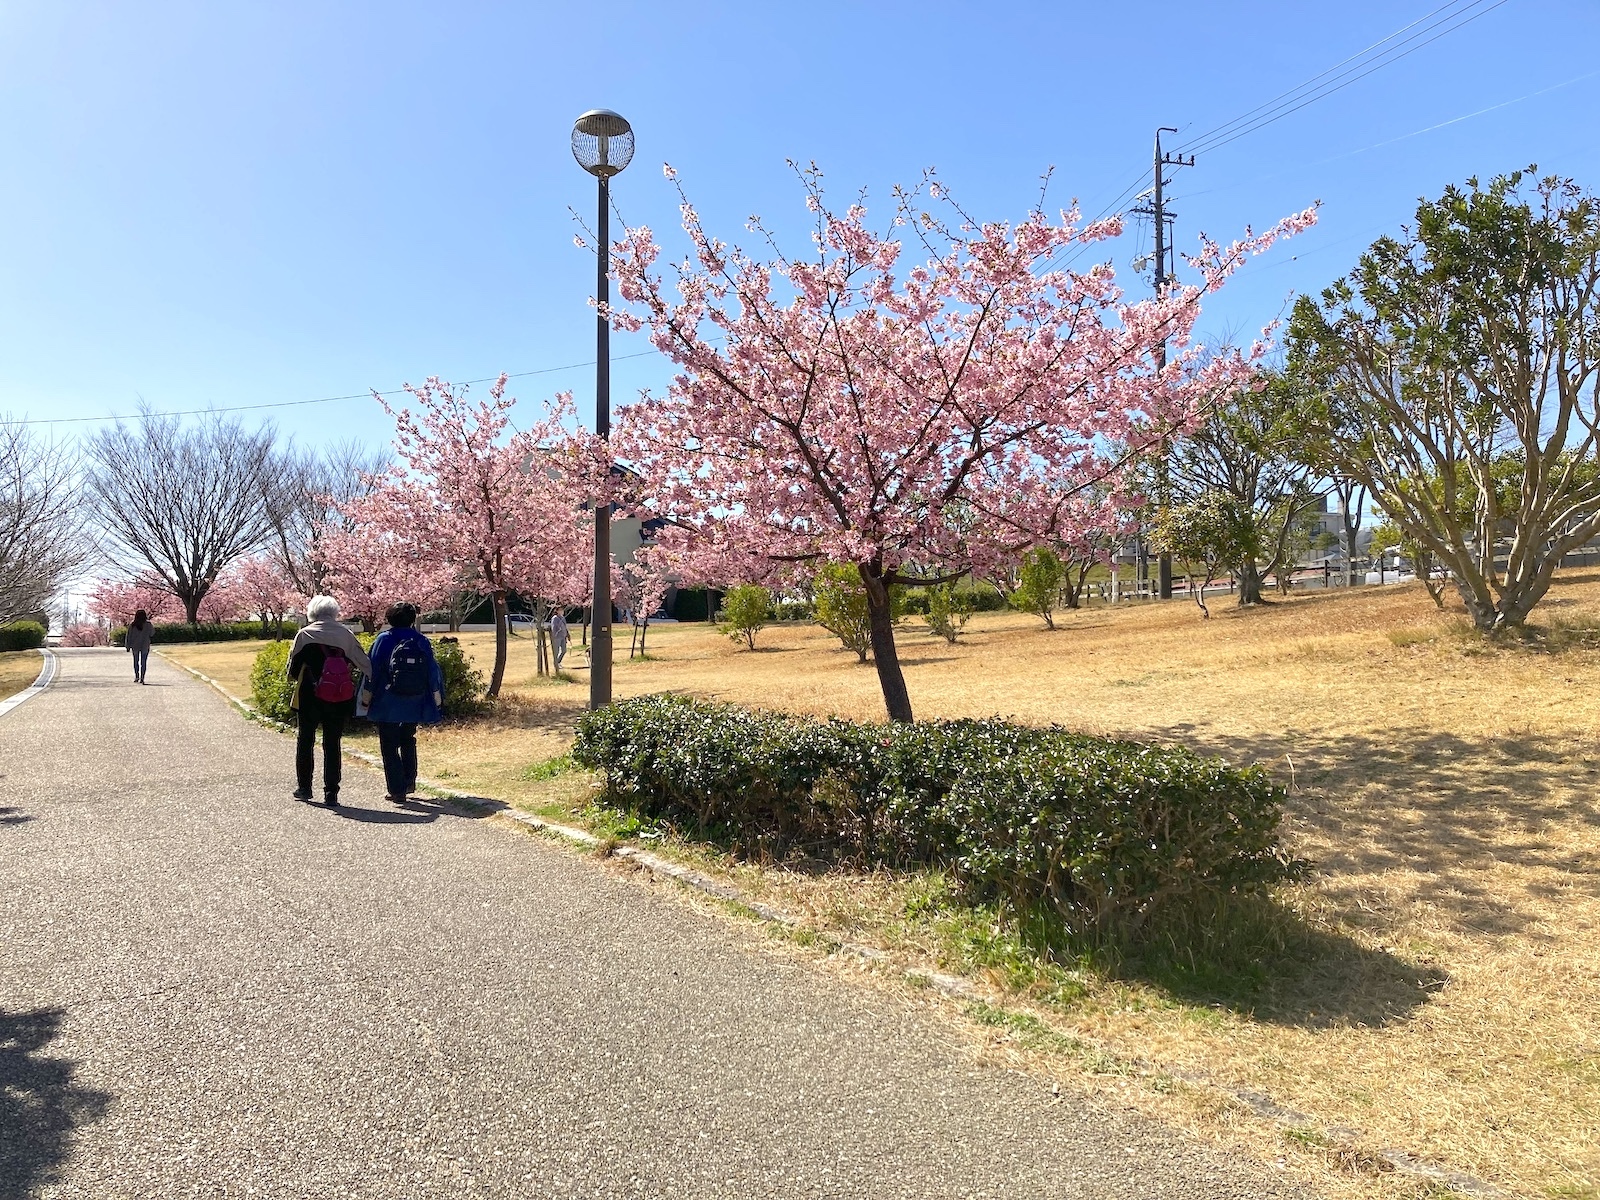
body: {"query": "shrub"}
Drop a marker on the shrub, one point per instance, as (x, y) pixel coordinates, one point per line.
(841, 606)
(464, 684)
(271, 689)
(745, 612)
(984, 597)
(1105, 834)
(233, 631)
(948, 611)
(22, 635)
(792, 610)
(1038, 584)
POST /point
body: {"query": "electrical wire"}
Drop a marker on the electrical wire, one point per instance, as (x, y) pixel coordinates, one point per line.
(1297, 98)
(195, 412)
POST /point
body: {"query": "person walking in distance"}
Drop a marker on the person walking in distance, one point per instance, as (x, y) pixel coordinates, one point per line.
(323, 662)
(407, 691)
(137, 643)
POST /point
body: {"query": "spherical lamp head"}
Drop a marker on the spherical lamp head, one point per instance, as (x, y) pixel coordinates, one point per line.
(602, 142)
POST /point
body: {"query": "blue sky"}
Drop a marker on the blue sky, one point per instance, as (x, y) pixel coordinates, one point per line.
(229, 204)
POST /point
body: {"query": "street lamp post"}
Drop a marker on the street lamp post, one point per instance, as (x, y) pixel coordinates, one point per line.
(602, 142)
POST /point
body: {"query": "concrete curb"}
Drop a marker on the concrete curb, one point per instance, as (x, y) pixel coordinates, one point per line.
(955, 986)
(47, 676)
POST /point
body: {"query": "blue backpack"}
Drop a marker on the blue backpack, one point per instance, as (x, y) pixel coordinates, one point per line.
(408, 668)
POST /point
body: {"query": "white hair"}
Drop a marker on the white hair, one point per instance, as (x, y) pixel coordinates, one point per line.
(322, 608)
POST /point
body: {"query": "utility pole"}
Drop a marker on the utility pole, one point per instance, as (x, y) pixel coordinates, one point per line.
(1157, 211)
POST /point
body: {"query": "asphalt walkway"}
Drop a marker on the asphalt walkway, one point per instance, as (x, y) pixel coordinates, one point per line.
(208, 989)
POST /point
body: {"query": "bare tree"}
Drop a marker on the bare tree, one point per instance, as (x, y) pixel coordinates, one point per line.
(306, 495)
(183, 501)
(42, 536)
(1460, 371)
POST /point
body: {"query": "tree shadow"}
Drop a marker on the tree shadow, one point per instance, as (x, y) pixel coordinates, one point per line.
(1449, 808)
(13, 816)
(1263, 959)
(41, 1106)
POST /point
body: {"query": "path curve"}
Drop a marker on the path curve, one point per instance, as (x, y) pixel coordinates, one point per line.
(207, 988)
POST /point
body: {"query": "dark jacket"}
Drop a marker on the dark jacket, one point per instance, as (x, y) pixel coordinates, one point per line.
(138, 639)
(386, 707)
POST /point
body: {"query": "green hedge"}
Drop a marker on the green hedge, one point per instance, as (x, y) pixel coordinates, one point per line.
(22, 635)
(234, 631)
(1108, 834)
(271, 690)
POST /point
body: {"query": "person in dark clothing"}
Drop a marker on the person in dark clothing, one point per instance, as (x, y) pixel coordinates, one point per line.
(407, 690)
(320, 705)
(137, 642)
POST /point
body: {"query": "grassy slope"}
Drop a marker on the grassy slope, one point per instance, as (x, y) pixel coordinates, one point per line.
(18, 669)
(1443, 987)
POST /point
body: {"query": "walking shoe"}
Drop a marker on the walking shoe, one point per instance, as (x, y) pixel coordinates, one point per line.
(302, 793)
(331, 801)
(395, 799)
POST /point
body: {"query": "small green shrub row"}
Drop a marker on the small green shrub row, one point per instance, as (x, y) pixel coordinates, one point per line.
(272, 691)
(22, 635)
(1107, 834)
(233, 631)
(974, 597)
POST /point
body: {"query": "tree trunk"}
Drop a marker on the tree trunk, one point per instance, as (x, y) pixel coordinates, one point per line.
(501, 628)
(896, 700)
(1249, 583)
(541, 654)
(191, 608)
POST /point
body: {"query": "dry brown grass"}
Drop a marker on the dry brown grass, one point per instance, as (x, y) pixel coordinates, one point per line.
(18, 669)
(1446, 789)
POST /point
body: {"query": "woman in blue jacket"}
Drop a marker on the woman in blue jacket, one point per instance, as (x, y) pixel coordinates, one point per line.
(407, 691)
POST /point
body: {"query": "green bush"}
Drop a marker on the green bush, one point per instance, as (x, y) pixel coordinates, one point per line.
(235, 631)
(841, 606)
(948, 611)
(984, 597)
(1039, 584)
(746, 609)
(271, 689)
(793, 610)
(1105, 834)
(464, 684)
(22, 635)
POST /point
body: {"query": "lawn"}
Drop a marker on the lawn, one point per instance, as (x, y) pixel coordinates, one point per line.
(1437, 986)
(18, 669)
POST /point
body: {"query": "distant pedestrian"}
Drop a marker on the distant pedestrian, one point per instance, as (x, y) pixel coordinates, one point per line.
(137, 643)
(560, 636)
(407, 691)
(323, 662)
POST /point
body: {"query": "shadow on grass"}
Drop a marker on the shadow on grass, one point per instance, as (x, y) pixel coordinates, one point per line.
(41, 1104)
(1260, 958)
(1448, 808)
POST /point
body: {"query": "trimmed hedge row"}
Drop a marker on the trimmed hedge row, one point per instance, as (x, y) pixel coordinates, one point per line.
(1109, 834)
(21, 635)
(233, 631)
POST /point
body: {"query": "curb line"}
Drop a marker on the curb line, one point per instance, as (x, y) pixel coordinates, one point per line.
(1402, 1162)
(47, 676)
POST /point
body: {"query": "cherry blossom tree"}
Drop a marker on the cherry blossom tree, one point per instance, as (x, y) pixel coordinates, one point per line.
(505, 511)
(919, 424)
(116, 600)
(374, 558)
(267, 589)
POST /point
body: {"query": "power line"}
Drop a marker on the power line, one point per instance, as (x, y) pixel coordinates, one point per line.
(195, 412)
(1297, 98)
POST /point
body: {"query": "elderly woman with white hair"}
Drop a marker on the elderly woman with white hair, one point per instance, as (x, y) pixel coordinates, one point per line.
(323, 662)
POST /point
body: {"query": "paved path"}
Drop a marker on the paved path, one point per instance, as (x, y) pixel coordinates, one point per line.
(208, 989)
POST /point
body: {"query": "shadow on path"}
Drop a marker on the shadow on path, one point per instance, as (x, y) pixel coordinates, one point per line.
(40, 1104)
(12, 816)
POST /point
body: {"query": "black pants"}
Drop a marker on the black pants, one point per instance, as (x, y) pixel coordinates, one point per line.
(398, 744)
(331, 719)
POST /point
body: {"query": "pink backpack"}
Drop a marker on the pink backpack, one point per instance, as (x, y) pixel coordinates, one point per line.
(336, 684)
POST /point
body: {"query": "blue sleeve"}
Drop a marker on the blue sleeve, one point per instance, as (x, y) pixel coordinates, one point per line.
(382, 648)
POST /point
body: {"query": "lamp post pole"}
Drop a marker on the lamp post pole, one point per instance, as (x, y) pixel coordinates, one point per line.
(600, 649)
(602, 142)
